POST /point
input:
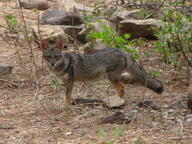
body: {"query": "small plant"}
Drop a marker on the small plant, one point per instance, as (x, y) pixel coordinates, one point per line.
(143, 13)
(56, 84)
(32, 75)
(12, 23)
(147, 53)
(109, 37)
(112, 136)
(155, 73)
(138, 140)
(175, 39)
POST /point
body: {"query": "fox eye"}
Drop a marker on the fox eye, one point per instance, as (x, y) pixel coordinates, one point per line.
(47, 57)
(57, 56)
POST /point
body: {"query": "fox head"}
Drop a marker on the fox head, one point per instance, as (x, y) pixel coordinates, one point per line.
(52, 53)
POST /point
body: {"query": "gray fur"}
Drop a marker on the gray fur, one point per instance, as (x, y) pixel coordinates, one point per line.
(107, 63)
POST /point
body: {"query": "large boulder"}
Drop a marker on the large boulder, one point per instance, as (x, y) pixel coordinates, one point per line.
(34, 4)
(73, 31)
(50, 33)
(94, 46)
(70, 5)
(139, 28)
(60, 17)
(120, 15)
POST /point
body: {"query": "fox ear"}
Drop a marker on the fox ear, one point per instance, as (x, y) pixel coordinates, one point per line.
(44, 44)
(60, 44)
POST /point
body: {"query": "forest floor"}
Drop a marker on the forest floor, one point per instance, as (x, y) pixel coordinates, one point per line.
(31, 109)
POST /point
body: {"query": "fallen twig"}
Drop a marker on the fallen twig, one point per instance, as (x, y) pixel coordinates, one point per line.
(175, 138)
(9, 82)
(154, 11)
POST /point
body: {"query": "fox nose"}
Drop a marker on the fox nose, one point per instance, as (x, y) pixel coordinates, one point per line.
(52, 64)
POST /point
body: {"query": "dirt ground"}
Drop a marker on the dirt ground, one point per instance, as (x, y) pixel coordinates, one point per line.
(31, 109)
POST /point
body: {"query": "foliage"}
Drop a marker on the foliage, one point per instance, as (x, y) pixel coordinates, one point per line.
(143, 13)
(138, 140)
(56, 84)
(112, 136)
(175, 39)
(109, 37)
(12, 23)
(155, 73)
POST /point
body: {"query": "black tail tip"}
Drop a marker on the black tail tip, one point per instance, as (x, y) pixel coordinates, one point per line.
(159, 90)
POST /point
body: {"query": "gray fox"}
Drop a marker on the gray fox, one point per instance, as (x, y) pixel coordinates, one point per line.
(107, 63)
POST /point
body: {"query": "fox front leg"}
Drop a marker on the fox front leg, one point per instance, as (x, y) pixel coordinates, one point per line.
(69, 89)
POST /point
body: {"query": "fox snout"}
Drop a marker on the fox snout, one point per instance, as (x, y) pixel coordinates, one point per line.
(52, 64)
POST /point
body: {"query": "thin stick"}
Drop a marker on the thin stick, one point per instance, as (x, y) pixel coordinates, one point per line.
(153, 12)
(12, 83)
(181, 47)
(91, 90)
(26, 36)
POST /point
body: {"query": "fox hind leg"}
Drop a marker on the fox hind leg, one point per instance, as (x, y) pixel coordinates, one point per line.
(119, 87)
(114, 78)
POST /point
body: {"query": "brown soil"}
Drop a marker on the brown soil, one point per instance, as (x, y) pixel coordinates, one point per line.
(31, 110)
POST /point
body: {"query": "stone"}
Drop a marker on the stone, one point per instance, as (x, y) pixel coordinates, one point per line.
(118, 118)
(34, 4)
(188, 116)
(189, 120)
(5, 69)
(73, 31)
(69, 5)
(139, 28)
(114, 101)
(94, 46)
(60, 17)
(148, 104)
(50, 33)
(120, 15)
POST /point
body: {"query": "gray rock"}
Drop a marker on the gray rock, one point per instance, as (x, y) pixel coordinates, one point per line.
(70, 5)
(34, 4)
(5, 69)
(93, 46)
(60, 17)
(114, 101)
(189, 120)
(188, 116)
(169, 114)
(73, 31)
(49, 32)
(121, 15)
(139, 28)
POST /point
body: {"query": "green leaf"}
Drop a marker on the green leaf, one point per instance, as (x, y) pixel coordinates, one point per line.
(101, 132)
(127, 36)
(9, 16)
(119, 131)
